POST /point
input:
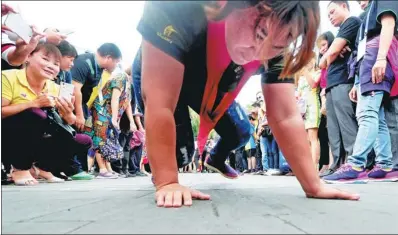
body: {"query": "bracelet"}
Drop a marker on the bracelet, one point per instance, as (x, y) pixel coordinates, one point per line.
(380, 59)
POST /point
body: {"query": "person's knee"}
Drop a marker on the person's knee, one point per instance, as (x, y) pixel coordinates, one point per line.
(84, 140)
(36, 113)
(367, 116)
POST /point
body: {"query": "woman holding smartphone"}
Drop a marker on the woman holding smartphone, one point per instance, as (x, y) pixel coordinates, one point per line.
(25, 93)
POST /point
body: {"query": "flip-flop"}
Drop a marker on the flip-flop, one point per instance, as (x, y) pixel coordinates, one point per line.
(24, 181)
(55, 180)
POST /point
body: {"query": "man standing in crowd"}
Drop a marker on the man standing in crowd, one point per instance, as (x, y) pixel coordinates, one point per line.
(87, 72)
(342, 125)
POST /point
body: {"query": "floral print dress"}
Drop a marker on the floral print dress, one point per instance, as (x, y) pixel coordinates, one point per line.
(101, 112)
(312, 117)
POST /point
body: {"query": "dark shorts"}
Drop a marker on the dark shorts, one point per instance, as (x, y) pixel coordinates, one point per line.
(251, 153)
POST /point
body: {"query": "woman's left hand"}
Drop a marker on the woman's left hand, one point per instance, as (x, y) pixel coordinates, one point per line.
(133, 127)
(65, 109)
(325, 192)
(378, 71)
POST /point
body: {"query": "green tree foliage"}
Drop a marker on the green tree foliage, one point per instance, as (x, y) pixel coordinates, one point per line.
(195, 120)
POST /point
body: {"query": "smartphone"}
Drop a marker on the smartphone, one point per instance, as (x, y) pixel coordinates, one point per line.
(66, 32)
(18, 25)
(66, 91)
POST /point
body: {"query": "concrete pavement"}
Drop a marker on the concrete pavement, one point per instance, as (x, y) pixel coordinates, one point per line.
(251, 204)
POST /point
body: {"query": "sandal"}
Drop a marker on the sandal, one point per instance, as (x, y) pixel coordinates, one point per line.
(53, 179)
(26, 181)
(107, 175)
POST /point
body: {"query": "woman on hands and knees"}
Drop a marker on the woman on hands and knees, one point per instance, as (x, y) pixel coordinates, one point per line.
(203, 63)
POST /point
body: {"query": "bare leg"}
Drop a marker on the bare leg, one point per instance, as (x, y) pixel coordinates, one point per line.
(108, 166)
(331, 161)
(23, 177)
(45, 174)
(249, 163)
(90, 162)
(253, 163)
(101, 163)
(315, 146)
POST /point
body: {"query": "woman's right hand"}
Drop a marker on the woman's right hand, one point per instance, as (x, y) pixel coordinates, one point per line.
(176, 195)
(115, 123)
(353, 94)
(323, 109)
(43, 101)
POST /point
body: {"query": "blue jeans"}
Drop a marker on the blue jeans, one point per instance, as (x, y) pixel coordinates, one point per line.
(392, 122)
(269, 153)
(372, 132)
(283, 165)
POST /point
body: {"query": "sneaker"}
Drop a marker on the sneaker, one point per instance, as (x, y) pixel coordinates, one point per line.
(260, 172)
(347, 174)
(92, 172)
(393, 175)
(107, 175)
(122, 174)
(326, 173)
(378, 174)
(224, 169)
(82, 176)
(274, 172)
(290, 174)
(140, 174)
(130, 175)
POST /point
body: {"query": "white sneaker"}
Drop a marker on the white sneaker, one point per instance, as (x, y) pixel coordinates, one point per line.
(274, 172)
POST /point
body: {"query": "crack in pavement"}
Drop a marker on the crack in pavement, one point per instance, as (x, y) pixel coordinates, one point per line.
(291, 224)
(74, 207)
(79, 227)
(215, 209)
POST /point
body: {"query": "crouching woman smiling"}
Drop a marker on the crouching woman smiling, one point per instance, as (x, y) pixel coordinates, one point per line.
(25, 93)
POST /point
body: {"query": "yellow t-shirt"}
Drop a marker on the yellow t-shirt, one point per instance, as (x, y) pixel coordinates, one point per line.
(105, 77)
(16, 89)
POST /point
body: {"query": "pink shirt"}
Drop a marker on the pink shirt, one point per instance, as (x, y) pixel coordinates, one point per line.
(393, 59)
(218, 60)
(323, 82)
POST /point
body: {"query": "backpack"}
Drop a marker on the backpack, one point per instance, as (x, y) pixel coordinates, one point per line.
(105, 77)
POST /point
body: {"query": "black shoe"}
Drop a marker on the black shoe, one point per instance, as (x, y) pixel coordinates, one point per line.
(63, 176)
(326, 173)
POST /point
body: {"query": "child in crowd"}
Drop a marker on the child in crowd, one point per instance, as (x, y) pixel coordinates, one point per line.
(251, 147)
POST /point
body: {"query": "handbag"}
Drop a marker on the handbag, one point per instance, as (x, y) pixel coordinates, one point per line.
(111, 150)
(56, 125)
(137, 139)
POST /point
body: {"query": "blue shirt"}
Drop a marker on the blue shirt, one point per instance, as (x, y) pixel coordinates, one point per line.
(252, 142)
(64, 76)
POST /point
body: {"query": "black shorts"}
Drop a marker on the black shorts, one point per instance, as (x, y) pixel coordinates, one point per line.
(251, 153)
